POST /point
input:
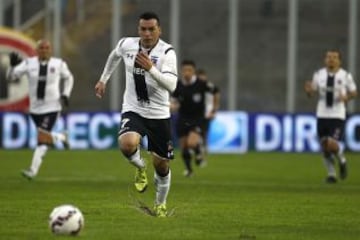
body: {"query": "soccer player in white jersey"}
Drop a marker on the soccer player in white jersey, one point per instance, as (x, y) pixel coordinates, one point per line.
(44, 73)
(334, 87)
(151, 75)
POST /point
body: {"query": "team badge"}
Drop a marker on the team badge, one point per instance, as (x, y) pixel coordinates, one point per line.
(154, 59)
(52, 70)
(197, 97)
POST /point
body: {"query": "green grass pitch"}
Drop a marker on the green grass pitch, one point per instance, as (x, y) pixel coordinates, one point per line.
(251, 196)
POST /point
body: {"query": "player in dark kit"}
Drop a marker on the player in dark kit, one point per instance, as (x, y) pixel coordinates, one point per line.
(190, 101)
(212, 105)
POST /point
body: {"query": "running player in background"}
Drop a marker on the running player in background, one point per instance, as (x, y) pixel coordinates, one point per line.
(334, 87)
(44, 73)
(212, 106)
(189, 99)
(151, 75)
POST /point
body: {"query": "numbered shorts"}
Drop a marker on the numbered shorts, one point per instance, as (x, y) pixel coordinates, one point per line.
(330, 127)
(158, 132)
(45, 121)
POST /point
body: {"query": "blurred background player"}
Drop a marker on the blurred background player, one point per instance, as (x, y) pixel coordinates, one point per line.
(44, 73)
(334, 87)
(212, 106)
(189, 99)
(150, 77)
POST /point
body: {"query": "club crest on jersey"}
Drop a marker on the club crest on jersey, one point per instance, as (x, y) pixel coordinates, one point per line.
(339, 82)
(154, 59)
(128, 55)
(197, 97)
(52, 69)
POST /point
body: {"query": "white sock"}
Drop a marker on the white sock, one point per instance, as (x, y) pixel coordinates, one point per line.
(330, 166)
(58, 137)
(37, 158)
(136, 159)
(162, 186)
(340, 154)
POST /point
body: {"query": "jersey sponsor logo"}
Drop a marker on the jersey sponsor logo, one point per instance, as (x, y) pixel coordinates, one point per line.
(14, 95)
(139, 71)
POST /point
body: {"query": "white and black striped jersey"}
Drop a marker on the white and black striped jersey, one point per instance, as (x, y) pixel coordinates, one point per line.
(330, 86)
(44, 82)
(159, 81)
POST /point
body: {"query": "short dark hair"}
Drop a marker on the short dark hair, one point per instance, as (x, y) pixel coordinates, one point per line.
(188, 62)
(150, 15)
(200, 71)
(334, 50)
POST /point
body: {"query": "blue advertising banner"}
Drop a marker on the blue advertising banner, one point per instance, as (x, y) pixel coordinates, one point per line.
(230, 132)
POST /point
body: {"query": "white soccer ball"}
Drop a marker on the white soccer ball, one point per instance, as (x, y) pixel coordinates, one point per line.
(66, 220)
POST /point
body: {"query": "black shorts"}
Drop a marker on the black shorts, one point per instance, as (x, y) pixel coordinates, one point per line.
(185, 125)
(158, 132)
(330, 127)
(45, 121)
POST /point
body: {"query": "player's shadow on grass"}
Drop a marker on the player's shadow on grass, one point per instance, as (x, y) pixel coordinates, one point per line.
(136, 203)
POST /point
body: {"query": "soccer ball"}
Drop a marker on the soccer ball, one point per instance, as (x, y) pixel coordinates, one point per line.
(66, 220)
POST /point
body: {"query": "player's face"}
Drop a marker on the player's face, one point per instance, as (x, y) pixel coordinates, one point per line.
(202, 77)
(44, 50)
(332, 60)
(149, 32)
(187, 72)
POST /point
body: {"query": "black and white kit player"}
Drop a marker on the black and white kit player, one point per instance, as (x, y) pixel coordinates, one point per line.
(44, 74)
(334, 87)
(151, 75)
(189, 99)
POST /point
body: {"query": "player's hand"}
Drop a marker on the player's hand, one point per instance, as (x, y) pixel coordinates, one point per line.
(15, 59)
(308, 88)
(100, 89)
(144, 61)
(343, 98)
(210, 115)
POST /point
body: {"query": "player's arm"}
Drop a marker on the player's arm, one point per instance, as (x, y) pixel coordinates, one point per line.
(174, 105)
(167, 76)
(112, 62)
(17, 67)
(216, 100)
(68, 83)
(174, 102)
(214, 90)
(310, 87)
(351, 90)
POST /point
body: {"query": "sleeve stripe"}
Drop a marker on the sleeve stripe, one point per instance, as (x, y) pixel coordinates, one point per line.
(170, 48)
(171, 73)
(122, 41)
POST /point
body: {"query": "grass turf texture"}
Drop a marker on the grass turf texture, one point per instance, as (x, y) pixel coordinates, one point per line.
(251, 196)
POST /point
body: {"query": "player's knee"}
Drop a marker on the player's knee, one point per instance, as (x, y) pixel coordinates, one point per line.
(127, 145)
(329, 145)
(193, 140)
(44, 137)
(162, 168)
